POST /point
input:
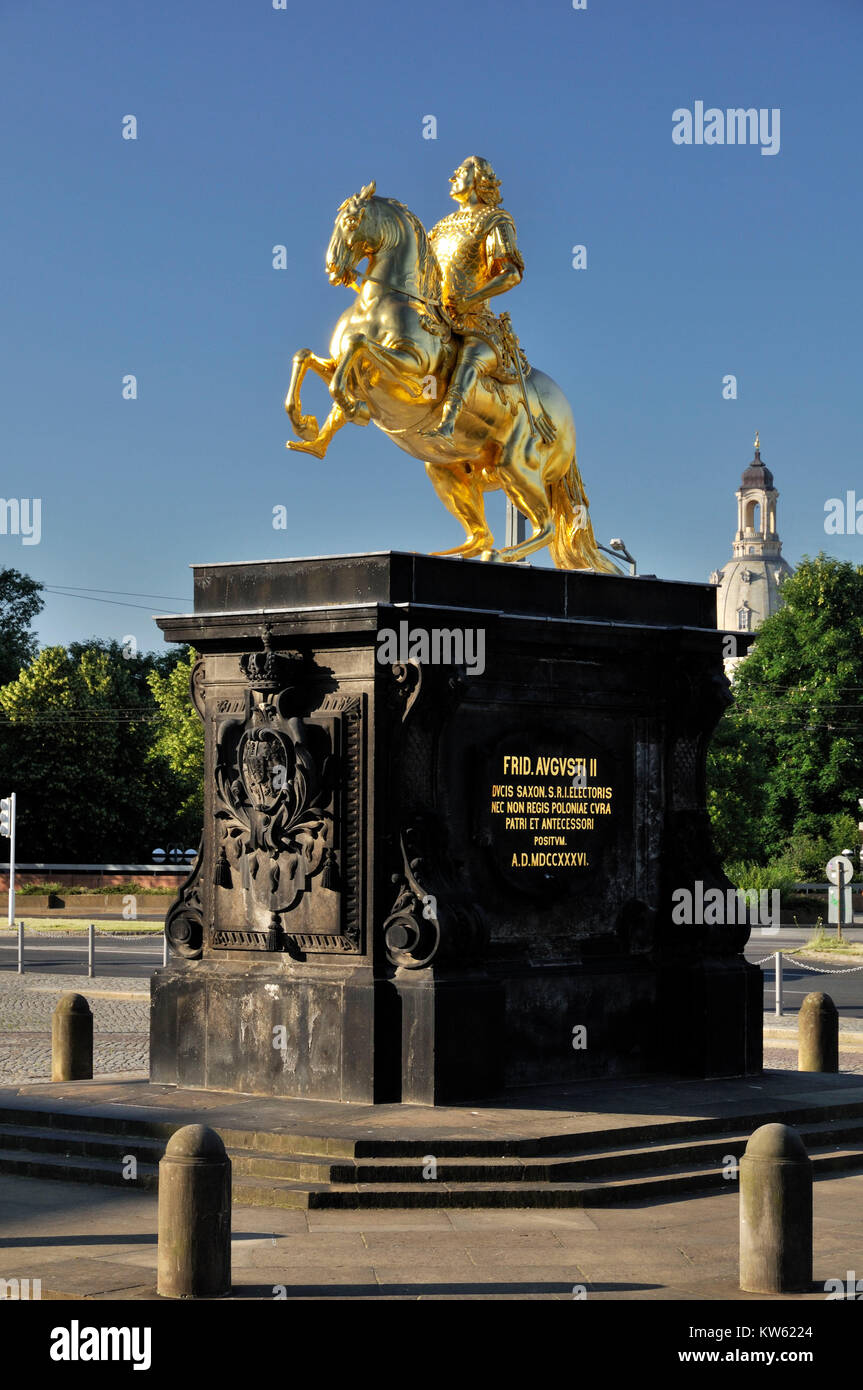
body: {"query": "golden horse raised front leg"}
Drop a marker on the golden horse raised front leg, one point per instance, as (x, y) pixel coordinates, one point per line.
(321, 442)
(316, 441)
(404, 365)
(305, 426)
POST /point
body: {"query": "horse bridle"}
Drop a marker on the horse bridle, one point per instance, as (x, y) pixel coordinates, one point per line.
(395, 289)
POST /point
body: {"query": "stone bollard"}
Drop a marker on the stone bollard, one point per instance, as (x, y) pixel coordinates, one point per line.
(72, 1039)
(818, 1034)
(194, 1257)
(775, 1212)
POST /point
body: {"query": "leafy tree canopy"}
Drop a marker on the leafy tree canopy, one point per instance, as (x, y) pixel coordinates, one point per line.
(179, 740)
(80, 744)
(785, 769)
(20, 602)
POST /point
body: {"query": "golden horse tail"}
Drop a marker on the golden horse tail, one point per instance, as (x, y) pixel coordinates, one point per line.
(573, 545)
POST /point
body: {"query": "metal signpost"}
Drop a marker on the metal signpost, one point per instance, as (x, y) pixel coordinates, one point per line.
(7, 828)
(840, 872)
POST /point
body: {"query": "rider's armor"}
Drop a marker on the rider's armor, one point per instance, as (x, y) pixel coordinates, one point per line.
(472, 246)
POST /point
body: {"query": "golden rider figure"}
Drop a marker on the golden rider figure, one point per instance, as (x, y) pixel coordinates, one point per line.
(478, 256)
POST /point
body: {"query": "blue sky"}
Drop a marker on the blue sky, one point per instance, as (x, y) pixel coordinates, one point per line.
(154, 257)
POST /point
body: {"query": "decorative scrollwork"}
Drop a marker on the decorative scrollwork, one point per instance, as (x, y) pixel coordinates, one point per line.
(184, 923)
(408, 679)
(412, 932)
(197, 686)
(429, 919)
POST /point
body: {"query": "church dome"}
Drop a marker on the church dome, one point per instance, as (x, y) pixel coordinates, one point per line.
(757, 474)
(749, 584)
(749, 591)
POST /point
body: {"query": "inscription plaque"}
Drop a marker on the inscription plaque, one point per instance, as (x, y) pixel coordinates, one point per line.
(551, 808)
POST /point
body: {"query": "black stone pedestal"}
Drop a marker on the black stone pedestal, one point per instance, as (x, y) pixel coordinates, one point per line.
(447, 807)
(452, 1031)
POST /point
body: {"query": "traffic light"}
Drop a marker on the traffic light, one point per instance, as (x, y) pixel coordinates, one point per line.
(6, 816)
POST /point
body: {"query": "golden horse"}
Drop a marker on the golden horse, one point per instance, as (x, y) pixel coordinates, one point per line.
(390, 358)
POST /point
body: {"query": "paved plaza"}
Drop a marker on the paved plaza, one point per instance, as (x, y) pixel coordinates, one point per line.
(100, 1243)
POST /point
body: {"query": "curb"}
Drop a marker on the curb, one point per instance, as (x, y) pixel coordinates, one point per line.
(848, 1042)
(92, 993)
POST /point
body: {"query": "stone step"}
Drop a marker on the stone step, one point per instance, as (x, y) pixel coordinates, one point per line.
(326, 1171)
(80, 1143)
(319, 1148)
(825, 1163)
(265, 1180)
(609, 1162)
(284, 1193)
(107, 1172)
(75, 1119)
(569, 1168)
(581, 1167)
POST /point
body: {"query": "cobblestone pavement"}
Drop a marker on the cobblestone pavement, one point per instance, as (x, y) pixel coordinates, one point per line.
(785, 1059)
(120, 1024)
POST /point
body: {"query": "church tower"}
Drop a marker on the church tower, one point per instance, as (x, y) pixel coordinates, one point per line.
(749, 584)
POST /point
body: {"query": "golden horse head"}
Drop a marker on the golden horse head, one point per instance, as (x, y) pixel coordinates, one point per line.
(354, 236)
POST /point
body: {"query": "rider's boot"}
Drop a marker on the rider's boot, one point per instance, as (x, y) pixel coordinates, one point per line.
(452, 408)
(463, 379)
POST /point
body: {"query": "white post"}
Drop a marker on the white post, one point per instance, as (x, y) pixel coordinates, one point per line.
(778, 1008)
(91, 951)
(164, 948)
(11, 917)
(21, 947)
(516, 525)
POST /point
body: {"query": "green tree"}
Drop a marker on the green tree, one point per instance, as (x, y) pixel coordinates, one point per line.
(78, 748)
(786, 767)
(179, 740)
(20, 602)
(735, 768)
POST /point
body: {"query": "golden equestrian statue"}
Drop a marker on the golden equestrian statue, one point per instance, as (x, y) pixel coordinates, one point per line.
(421, 354)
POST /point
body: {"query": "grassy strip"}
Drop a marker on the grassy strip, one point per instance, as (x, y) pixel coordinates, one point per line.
(822, 944)
(79, 925)
(72, 890)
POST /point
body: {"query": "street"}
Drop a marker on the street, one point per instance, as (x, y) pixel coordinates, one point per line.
(845, 989)
(132, 957)
(135, 957)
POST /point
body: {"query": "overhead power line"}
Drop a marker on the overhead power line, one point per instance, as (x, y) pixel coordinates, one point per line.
(127, 593)
(117, 603)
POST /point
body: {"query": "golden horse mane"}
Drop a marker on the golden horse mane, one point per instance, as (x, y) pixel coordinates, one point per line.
(428, 270)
